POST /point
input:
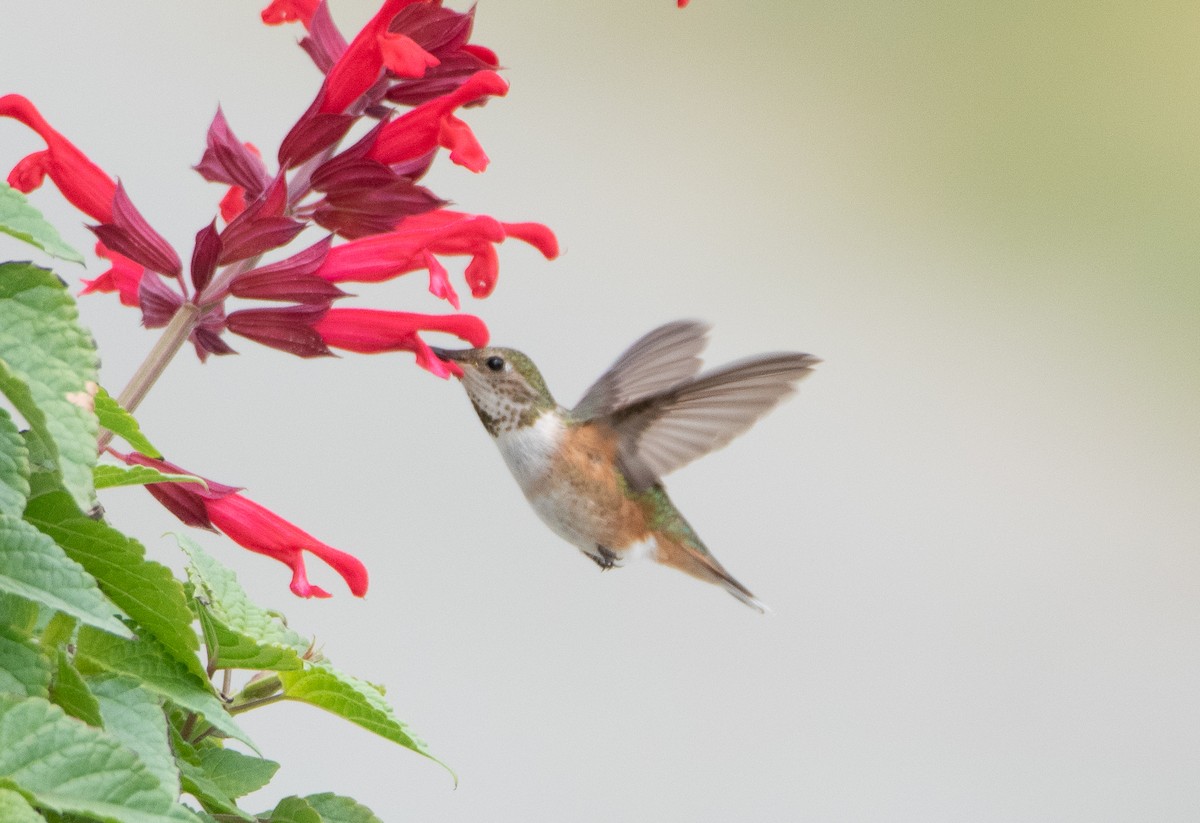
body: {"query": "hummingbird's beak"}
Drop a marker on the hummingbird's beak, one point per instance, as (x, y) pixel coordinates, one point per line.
(454, 355)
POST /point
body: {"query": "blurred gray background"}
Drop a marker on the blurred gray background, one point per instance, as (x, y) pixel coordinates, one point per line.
(977, 523)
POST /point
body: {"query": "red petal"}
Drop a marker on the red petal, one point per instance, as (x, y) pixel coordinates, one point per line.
(289, 11)
(402, 55)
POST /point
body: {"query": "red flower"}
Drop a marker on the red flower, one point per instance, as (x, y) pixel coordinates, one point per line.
(418, 238)
(251, 526)
(260, 530)
(433, 124)
(80, 180)
(289, 11)
(357, 69)
(309, 331)
(124, 277)
(370, 331)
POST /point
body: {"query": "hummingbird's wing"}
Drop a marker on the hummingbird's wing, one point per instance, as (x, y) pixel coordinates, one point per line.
(660, 360)
(661, 433)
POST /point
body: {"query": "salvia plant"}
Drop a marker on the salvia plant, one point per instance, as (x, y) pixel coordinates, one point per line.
(120, 684)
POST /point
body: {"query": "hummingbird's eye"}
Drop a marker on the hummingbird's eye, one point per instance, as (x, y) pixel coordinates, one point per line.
(494, 363)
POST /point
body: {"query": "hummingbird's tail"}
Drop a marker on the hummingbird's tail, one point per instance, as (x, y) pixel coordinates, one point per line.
(691, 557)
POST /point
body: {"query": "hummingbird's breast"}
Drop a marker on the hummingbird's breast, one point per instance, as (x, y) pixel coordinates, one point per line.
(569, 474)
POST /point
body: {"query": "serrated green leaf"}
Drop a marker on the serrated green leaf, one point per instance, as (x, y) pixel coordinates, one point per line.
(196, 782)
(293, 810)
(24, 222)
(47, 365)
(68, 766)
(24, 669)
(146, 660)
(16, 809)
(239, 634)
(323, 686)
(134, 717)
(34, 567)
(335, 808)
(69, 691)
(237, 774)
(14, 467)
(121, 423)
(146, 590)
(107, 476)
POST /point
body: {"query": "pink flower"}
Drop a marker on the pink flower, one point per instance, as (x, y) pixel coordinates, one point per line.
(251, 526)
(80, 180)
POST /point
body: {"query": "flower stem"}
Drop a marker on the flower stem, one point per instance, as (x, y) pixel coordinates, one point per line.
(173, 337)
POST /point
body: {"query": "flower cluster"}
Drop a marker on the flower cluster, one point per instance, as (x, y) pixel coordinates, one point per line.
(405, 78)
(413, 55)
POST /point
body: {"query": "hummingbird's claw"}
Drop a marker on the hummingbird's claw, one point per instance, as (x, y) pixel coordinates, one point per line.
(605, 559)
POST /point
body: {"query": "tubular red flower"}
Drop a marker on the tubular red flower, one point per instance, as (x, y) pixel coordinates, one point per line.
(124, 277)
(433, 124)
(417, 238)
(371, 331)
(260, 530)
(363, 61)
(80, 180)
(249, 525)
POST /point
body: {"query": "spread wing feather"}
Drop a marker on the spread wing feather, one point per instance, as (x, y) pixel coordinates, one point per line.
(669, 429)
(660, 360)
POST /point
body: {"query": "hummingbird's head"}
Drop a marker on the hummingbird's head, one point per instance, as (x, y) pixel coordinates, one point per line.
(505, 387)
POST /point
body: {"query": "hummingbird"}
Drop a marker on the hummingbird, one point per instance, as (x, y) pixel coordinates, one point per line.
(593, 473)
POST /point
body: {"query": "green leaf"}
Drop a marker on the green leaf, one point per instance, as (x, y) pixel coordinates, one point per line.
(293, 810)
(69, 691)
(134, 717)
(238, 633)
(107, 476)
(18, 614)
(24, 670)
(146, 590)
(356, 700)
(14, 467)
(237, 774)
(34, 567)
(196, 781)
(16, 809)
(121, 423)
(24, 222)
(146, 660)
(68, 766)
(335, 808)
(47, 366)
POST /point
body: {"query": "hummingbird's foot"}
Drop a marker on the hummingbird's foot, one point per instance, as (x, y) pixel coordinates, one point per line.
(605, 557)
